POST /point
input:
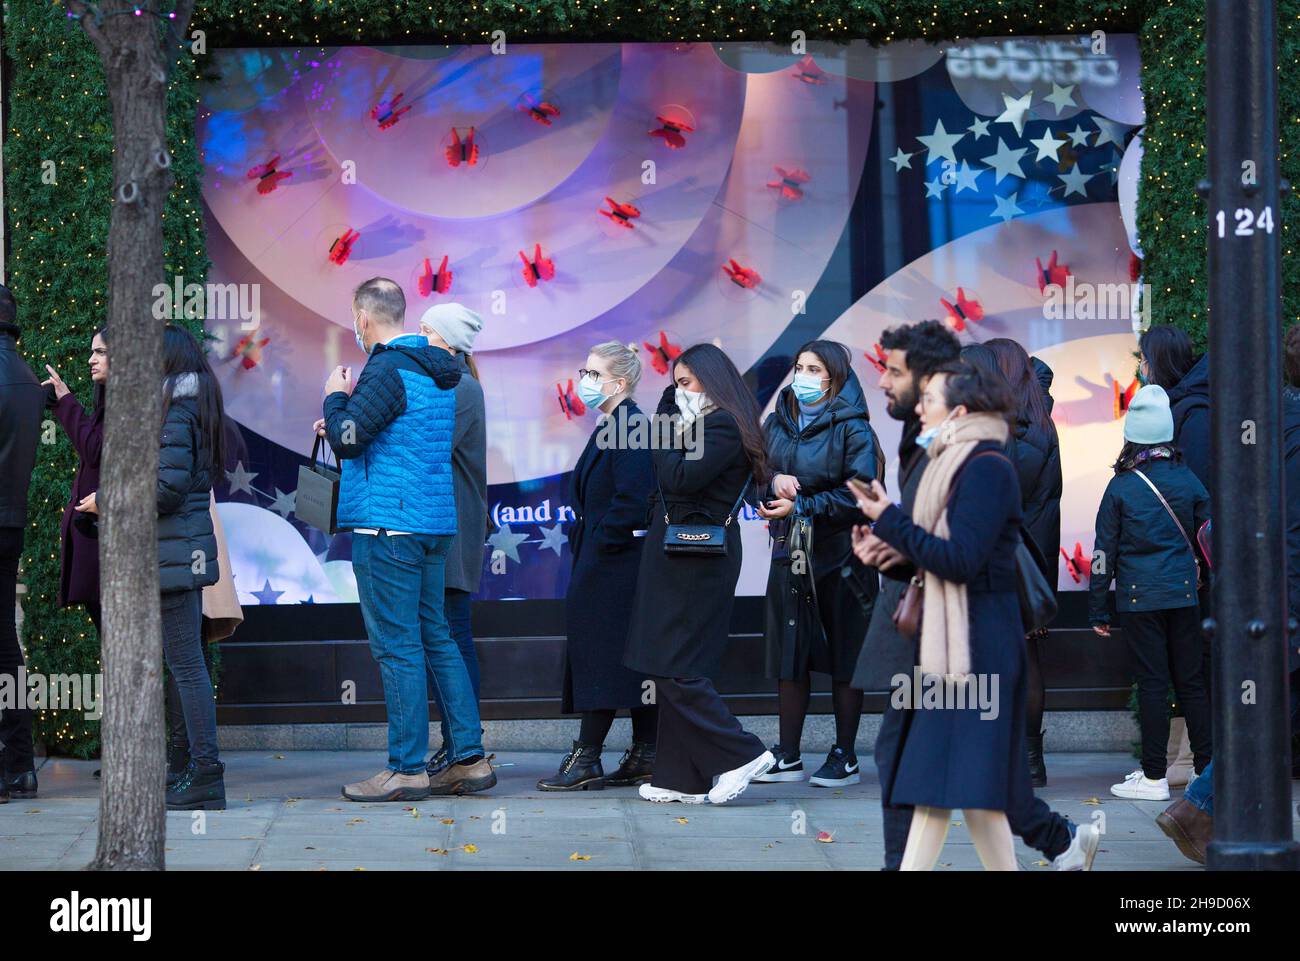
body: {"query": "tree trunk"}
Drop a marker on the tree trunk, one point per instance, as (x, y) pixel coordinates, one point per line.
(132, 812)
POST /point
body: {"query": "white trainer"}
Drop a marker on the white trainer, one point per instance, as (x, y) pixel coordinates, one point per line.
(731, 784)
(1138, 787)
(1083, 848)
(662, 795)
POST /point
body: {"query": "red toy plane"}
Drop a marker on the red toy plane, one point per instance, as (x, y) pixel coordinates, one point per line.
(462, 152)
(267, 177)
(671, 132)
(341, 249)
(1077, 566)
(621, 214)
(541, 111)
(539, 268)
(878, 360)
(387, 114)
(249, 350)
(431, 280)
(790, 182)
(746, 277)
(1051, 274)
(807, 71)
(570, 403)
(962, 311)
(1124, 397)
(664, 354)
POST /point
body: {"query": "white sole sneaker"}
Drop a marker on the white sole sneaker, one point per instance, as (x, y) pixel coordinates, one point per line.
(774, 776)
(1082, 850)
(1138, 787)
(662, 795)
(732, 784)
(834, 782)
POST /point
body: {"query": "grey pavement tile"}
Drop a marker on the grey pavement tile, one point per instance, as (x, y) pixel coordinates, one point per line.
(610, 827)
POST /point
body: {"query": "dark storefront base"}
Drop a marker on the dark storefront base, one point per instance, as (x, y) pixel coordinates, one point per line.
(293, 665)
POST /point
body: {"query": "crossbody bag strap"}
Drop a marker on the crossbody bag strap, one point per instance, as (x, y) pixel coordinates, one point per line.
(1170, 511)
(735, 507)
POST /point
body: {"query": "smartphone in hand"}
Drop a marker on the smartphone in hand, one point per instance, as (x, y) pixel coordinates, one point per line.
(862, 488)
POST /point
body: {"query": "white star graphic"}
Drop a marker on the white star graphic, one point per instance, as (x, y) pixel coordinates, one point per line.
(966, 178)
(240, 479)
(901, 160)
(1006, 162)
(1006, 207)
(1110, 132)
(284, 502)
(935, 187)
(507, 542)
(1078, 136)
(980, 128)
(1075, 182)
(1014, 113)
(1061, 97)
(940, 144)
(552, 538)
(1047, 146)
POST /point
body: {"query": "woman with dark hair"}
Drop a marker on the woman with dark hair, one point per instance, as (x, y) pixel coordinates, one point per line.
(1146, 525)
(682, 612)
(1036, 453)
(1165, 355)
(190, 456)
(965, 748)
(819, 596)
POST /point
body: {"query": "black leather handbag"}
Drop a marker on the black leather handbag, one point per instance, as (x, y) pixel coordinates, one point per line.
(708, 540)
(1037, 597)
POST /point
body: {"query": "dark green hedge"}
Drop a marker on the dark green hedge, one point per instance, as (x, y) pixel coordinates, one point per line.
(58, 110)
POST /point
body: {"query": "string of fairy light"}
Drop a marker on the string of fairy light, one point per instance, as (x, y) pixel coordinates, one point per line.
(58, 110)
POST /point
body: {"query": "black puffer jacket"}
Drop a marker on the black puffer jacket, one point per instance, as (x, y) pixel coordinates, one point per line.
(1189, 402)
(187, 549)
(1036, 454)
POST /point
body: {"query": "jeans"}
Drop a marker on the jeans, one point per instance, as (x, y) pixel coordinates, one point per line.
(458, 620)
(15, 724)
(182, 622)
(400, 585)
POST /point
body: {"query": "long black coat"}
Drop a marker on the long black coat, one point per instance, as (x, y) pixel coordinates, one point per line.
(682, 614)
(956, 758)
(187, 548)
(610, 489)
(1189, 402)
(838, 444)
(1036, 454)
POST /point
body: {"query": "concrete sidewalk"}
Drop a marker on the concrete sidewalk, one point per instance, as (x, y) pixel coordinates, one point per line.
(286, 813)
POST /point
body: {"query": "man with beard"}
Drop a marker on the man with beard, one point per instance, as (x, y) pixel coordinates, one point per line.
(913, 352)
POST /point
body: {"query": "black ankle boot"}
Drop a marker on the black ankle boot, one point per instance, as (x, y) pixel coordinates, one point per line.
(1037, 767)
(200, 787)
(579, 771)
(636, 766)
(178, 755)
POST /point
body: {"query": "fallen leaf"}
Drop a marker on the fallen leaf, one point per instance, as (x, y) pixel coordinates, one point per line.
(415, 812)
(825, 837)
(448, 820)
(575, 856)
(309, 848)
(358, 869)
(437, 850)
(475, 817)
(1040, 864)
(34, 811)
(279, 757)
(1093, 801)
(956, 824)
(357, 821)
(683, 820)
(470, 848)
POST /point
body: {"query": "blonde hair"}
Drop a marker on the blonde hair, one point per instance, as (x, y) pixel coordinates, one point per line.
(623, 361)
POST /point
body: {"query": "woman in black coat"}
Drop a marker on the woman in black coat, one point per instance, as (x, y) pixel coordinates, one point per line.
(682, 613)
(1036, 453)
(189, 458)
(611, 488)
(818, 601)
(963, 741)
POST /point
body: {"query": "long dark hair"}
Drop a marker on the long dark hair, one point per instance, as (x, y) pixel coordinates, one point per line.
(834, 357)
(725, 388)
(1169, 354)
(1013, 361)
(1130, 452)
(182, 355)
(98, 394)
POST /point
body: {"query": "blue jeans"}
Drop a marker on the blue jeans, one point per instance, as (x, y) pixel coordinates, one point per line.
(400, 585)
(458, 610)
(1200, 793)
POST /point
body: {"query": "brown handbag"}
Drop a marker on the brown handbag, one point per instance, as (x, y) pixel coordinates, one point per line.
(907, 615)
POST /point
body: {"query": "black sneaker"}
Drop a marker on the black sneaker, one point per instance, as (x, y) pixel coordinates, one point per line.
(841, 768)
(786, 768)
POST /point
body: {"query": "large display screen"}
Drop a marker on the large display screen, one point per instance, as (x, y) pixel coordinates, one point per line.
(747, 195)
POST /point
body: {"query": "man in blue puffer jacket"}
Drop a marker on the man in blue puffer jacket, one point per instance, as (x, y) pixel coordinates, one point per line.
(393, 435)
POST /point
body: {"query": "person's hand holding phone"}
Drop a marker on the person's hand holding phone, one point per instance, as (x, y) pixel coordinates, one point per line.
(774, 509)
(871, 498)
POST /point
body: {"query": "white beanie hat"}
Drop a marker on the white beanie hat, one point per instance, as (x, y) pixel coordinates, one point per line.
(1149, 420)
(454, 323)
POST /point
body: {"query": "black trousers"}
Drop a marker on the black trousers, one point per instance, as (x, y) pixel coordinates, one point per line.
(1167, 649)
(699, 738)
(15, 725)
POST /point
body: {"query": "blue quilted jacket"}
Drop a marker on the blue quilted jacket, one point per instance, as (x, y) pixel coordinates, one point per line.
(393, 436)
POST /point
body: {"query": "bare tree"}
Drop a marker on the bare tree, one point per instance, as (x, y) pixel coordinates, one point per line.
(137, 44)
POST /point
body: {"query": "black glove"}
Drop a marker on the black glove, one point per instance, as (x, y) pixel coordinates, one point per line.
(668, 400)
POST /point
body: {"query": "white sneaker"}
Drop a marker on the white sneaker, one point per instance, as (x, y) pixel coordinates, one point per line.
(662, 795)
(1083, 848)
(1138, 787)
(732, 784)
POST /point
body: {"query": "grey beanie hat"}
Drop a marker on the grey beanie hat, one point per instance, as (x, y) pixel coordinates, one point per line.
(454, 323)
(1149, 420)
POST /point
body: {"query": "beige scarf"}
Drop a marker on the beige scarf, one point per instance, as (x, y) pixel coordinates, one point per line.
(945, 619)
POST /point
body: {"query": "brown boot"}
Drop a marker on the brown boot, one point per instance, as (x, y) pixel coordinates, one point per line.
(1189, 827)
(462, 778)
(388, 785)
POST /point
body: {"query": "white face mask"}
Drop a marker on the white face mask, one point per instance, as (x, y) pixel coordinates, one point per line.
(690, 403)
(357, 334)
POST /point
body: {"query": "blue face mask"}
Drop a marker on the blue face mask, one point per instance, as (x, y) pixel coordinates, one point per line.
(592, 392)
(926, 437)
(808, 388)
(357, 334)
